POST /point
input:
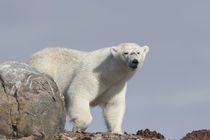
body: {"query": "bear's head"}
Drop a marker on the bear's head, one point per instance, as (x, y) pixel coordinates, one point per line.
(130, 54)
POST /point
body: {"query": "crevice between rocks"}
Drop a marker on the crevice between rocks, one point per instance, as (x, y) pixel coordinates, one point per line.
(3, 84)
(15, 130)
(16, 98)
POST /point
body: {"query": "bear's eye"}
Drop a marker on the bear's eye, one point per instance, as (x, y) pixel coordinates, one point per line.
(125, 53)
(138, 52)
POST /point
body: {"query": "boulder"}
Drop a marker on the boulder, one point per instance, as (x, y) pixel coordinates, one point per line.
(30, 103)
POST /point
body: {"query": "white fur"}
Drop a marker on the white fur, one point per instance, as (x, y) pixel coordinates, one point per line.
(92, 78)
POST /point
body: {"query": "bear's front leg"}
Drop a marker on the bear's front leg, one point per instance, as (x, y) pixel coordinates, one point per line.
(79, 113)
(83, 89)
(114, 108)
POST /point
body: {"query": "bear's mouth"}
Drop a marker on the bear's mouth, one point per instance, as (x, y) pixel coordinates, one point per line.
(133, 66)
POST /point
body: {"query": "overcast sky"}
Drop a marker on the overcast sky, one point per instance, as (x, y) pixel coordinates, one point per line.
(170, 94)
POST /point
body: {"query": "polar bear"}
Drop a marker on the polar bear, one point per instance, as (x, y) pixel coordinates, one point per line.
(92, 78)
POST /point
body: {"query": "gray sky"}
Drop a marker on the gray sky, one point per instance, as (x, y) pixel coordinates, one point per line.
(170, 94)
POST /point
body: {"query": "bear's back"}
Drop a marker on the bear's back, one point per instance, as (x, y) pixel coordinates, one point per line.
(59, 63)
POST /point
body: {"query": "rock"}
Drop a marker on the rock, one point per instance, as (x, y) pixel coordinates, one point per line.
(68, 135)
(149, 134)
(27, 138)
(30, 103)
(198, 135)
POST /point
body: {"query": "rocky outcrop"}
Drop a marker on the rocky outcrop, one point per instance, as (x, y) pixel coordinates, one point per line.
(30, 103)
(140, 135)
(68, 135)
(198, 135)
(150, 134)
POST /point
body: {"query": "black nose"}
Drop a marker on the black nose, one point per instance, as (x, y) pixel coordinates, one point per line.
(135, 61)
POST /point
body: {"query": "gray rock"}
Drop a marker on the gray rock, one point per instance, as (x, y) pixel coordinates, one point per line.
(30, 103)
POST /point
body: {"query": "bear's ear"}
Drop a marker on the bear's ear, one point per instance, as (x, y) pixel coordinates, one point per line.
(146, 49)
(114, 50)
